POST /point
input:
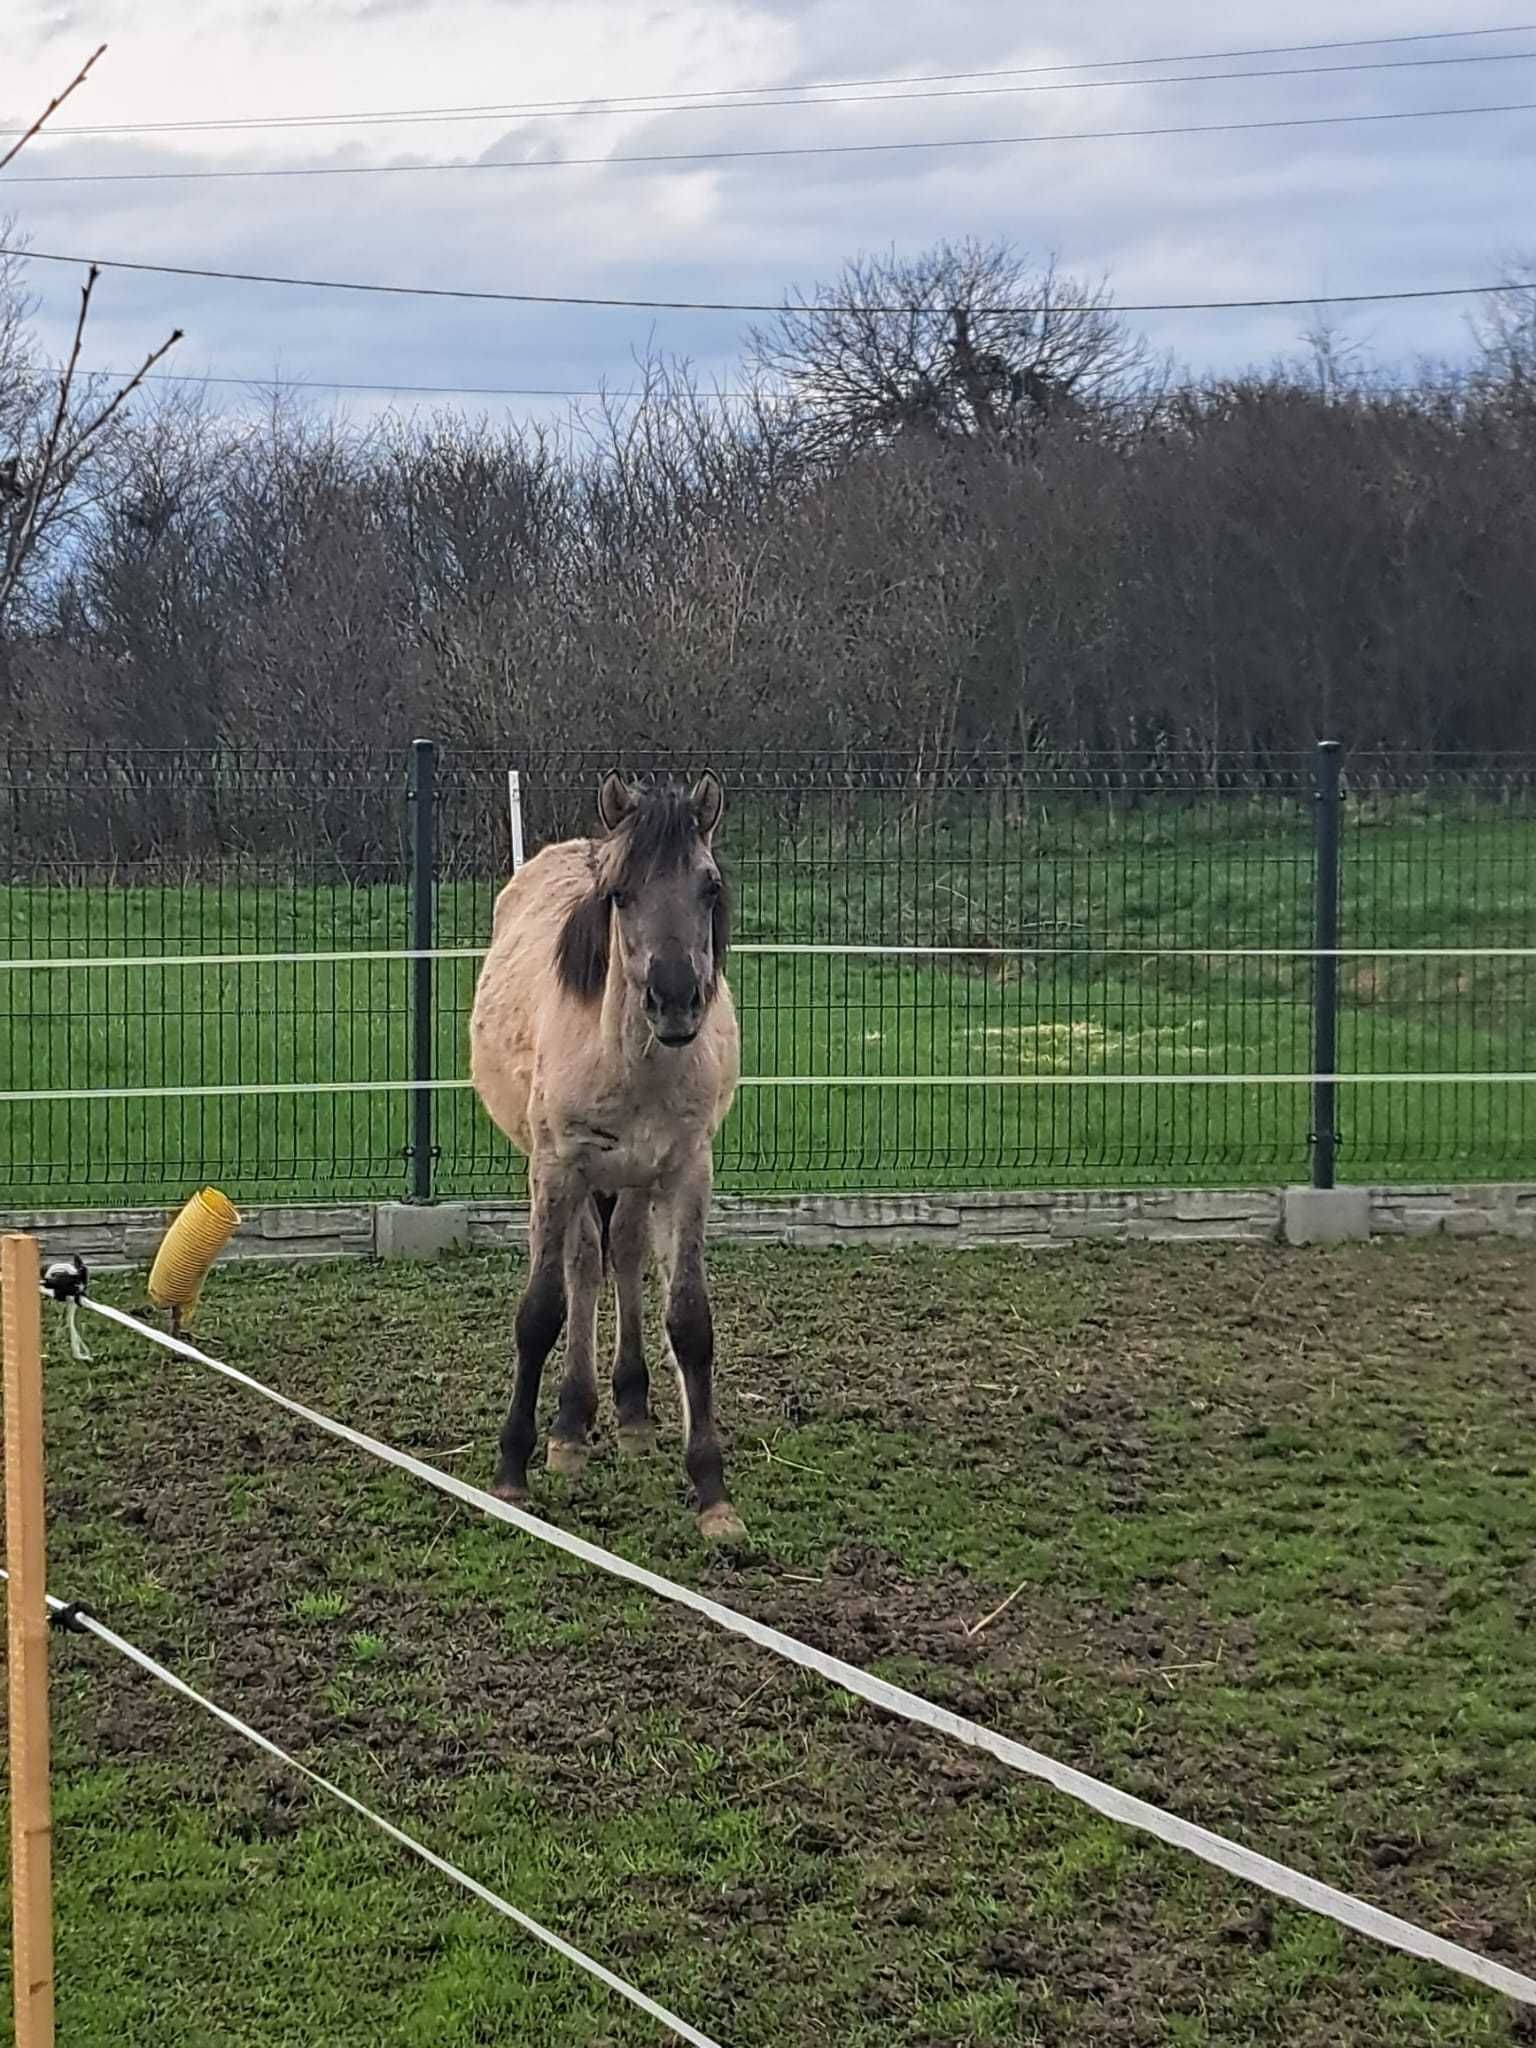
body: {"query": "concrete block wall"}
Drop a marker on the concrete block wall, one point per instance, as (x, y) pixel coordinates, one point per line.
(110, 1238)
(1489, 1210)
(1037, 1219)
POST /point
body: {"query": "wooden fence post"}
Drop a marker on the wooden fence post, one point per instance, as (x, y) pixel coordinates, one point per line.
(27, 1643)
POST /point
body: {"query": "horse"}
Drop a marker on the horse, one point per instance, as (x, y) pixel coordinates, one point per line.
(604, 1044)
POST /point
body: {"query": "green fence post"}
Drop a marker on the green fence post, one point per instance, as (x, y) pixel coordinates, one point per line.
(423, 928)
(1325, 964)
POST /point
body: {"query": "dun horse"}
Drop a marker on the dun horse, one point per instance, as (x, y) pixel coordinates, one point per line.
(603, 1041)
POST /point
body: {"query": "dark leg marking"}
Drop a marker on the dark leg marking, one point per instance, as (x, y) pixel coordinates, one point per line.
(690, 1329)
(629, 1244)
(540, 1318)
(570, 1439)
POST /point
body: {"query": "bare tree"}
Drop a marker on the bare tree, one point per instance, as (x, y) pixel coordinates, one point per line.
(39, 489)
(1337, 362)
(966, 339)
(47, 452)
(1504, 329)
(21, 378)
(1251, 561)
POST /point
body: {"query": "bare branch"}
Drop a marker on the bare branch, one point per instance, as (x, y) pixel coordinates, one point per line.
(69, 461)
(55, 472)
(52, 107)
(20, 542)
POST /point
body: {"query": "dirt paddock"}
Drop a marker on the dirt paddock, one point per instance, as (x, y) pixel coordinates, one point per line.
(1251, 1533)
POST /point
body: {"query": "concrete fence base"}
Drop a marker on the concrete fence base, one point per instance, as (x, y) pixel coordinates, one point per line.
(1035, 1219)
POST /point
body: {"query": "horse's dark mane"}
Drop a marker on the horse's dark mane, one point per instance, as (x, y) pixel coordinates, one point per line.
(581, 957)
(659, 833)
(720, 927)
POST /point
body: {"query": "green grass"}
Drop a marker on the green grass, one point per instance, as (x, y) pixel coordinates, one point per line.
(1267, 1520)
(1230, 874)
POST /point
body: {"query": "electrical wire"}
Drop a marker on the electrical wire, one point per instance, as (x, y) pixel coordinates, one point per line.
(810, 149)
(273, 383)
(673, 101)
(879, 99)
(810, 311)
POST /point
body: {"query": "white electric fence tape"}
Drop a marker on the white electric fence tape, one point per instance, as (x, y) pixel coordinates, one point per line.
(1212, 1848)
(81, 1618)
(395, 1087)
(824, 949)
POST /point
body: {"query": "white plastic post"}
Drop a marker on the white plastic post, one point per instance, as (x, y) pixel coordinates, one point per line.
(515, 812)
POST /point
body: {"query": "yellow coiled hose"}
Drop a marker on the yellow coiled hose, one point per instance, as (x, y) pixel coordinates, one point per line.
(188, 1249)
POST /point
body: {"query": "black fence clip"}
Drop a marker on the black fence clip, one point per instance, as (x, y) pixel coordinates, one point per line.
(66, 1279)
(71, 1617)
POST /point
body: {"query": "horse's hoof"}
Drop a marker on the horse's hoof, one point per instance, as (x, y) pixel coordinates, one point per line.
(636, 1438)
(568, 1459)
(722, 1524)
(512, 1491)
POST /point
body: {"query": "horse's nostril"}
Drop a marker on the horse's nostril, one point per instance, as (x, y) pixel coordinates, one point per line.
(672, 985)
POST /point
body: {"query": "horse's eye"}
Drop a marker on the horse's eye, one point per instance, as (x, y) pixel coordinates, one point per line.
(619, 898)
(712, 888)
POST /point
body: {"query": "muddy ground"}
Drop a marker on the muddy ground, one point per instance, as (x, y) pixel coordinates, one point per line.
(1250, 1533)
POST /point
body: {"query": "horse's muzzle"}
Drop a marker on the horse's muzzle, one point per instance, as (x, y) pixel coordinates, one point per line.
(674, 1002)
(674, 1026)
(675, 1039)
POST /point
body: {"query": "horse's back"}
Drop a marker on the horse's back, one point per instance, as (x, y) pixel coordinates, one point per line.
(533, 906)
(518, 977)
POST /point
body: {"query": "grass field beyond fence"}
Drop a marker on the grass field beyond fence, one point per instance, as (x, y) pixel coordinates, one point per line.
(1072, 882)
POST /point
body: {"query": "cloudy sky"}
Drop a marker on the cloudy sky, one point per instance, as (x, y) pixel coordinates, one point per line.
(1300, 211)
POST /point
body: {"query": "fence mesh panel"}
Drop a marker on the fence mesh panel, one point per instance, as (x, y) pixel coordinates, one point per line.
(1432, 860)
(134, 854)
(1102, 882)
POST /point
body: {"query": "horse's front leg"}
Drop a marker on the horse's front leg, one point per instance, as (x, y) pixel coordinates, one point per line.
(557, 1196)
(630, 1245)
(690, 1333)
(570, 1440)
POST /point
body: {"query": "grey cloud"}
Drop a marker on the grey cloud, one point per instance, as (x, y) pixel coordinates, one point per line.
(1216, 216)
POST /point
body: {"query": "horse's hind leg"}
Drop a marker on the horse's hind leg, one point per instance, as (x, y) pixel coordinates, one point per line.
(629, 1247)
(540, 1316)
(570, 1439)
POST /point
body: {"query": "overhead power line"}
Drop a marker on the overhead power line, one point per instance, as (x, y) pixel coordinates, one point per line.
(636, 102)
(428, 390)
(613, 109)
(701, 156)
(478, 294)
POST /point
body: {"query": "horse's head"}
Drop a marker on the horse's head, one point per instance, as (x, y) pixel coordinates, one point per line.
(660, 898)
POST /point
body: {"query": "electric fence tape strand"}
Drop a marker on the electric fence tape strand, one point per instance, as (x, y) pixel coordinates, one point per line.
(80, 1619)
(61, 962)
(192, 1091)
(1232, 1857)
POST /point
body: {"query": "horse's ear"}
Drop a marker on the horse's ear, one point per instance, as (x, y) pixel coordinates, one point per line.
(615, 800)
(707, 801)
